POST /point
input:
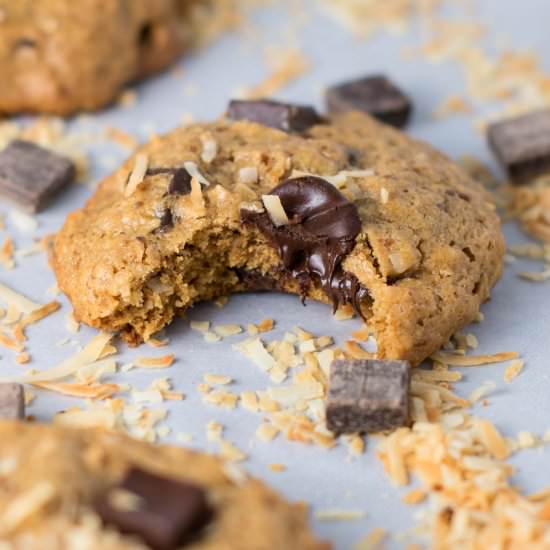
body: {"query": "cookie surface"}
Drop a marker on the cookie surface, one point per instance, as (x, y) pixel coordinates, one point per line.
(52, 476)
(52, 60)
(426, 252)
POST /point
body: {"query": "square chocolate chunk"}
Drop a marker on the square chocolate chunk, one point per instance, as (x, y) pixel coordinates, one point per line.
(30, 174)
(522, 145)
(374, 95)
(368, 396)
(282, 116)
(12, 402)
(164, 513)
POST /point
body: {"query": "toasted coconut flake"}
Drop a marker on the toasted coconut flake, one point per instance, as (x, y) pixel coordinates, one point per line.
(229, 452)
(22, 358)
(95, 418)
(267, 432)
(122, 138)
(89, 354)
(492, 439)
(20, 302)
(513, 370)
(86, 391)
(211, 337)
(162, 362)
(214, 431)
(343, 313)
(414, 497)
(194, 172)
(265, 325)
(275, 209)
(209, 148)
(217, 379)
(337, 514)
(482, 391)
(26, 505)
(248, 175)
(10, 343)
(277, 468)
(228, 330)
(71, 323)
(137, 176)
(249, 400)
(40, 313)
(255, 350)
(221, 399)
(289, 395)
(472, 360)
(200, 326)
(23, 222)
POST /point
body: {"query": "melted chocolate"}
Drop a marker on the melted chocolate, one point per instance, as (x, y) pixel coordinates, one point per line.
(321, 233)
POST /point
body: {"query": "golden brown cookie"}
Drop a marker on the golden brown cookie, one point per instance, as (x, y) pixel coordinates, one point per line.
(375, 219)
(55, 483)
(61, 56)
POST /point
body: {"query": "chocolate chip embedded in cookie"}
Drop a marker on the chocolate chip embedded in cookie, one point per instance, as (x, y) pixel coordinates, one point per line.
(110, 491)
(351, 211)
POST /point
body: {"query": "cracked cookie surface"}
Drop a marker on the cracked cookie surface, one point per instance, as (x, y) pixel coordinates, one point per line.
(56, 56)
(52, 476)
(428, 250)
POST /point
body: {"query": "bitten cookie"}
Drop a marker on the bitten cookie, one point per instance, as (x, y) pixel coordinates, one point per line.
(345, 211)
(73, 489)
(61, 56)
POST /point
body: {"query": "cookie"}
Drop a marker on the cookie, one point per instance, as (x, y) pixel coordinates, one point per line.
(60, 56)
(64, 488)
(347, 211)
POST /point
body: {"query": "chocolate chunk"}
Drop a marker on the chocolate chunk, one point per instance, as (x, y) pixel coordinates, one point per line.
(166, 221)
(167, 514)
(30, 174)
(12, 402)
(322, 231)
(180, 184)
(374, 95)
(367, 396)
(522, 145)
(283, 116)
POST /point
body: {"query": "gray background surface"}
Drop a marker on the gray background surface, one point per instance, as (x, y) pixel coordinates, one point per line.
(517, 318)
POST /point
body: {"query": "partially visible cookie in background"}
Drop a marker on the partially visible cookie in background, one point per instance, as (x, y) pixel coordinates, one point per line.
(66, 489)
(60, 56)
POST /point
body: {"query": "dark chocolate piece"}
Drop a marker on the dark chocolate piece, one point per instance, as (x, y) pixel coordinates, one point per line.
(180, 183)
(168, 514)
(30, 174)
(522, 145)
(166, 221)
(321, 233)
(374, 95)
(367, 396)
(12, 402)
(283, 116)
